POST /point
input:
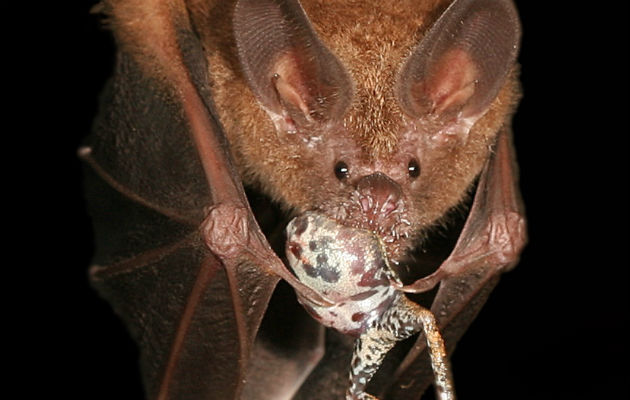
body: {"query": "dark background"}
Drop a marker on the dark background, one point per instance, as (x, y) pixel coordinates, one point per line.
(553, 328)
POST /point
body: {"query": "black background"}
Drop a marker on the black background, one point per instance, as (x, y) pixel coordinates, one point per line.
(554, 327)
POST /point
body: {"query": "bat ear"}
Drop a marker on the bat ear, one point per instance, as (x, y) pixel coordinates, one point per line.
(462, 62)
(293, 75)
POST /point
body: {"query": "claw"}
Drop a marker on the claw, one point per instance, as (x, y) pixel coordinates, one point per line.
(425, 284)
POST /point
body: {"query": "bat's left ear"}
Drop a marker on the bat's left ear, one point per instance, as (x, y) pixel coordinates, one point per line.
(462, 62)
(294, 76)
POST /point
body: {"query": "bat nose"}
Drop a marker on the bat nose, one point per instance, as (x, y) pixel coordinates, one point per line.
(379, 193)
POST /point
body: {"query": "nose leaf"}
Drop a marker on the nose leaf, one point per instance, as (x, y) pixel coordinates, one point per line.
(379, 194)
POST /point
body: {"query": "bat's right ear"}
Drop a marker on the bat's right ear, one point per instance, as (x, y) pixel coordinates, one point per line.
(296, 79)
(461, 64)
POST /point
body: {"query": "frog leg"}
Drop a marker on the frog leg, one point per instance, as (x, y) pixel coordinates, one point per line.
(403, 319)
(369, 351)
(408, 316)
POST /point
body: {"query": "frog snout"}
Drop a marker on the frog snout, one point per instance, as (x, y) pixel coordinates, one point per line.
(379, 194)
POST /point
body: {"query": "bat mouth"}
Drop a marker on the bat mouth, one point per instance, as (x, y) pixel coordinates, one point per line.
(388, 220)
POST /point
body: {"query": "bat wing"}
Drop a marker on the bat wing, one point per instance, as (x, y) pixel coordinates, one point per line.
(490, 243)
(179, 254)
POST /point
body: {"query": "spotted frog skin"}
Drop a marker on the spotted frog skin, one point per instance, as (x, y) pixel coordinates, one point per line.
(349, 267)
(344, 264)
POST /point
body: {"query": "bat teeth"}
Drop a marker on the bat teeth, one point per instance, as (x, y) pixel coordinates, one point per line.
(340, 213)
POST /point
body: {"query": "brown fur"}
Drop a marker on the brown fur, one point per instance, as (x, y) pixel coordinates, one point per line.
(372, 39)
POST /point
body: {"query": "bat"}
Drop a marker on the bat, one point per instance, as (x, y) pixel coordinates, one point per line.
(224, 120)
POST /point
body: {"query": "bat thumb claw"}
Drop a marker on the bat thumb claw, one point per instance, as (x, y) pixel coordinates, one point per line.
(397, 284)
(424, 284)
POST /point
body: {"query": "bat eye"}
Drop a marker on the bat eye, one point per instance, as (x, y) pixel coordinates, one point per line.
(341, 170)
(413, 168)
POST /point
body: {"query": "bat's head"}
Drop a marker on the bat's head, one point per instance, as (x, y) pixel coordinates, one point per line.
(382, 114)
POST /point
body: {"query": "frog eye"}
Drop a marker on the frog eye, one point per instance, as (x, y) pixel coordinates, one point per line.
(413, 168)
(341, 170)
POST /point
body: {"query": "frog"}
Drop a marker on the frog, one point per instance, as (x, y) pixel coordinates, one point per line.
(349, 266)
